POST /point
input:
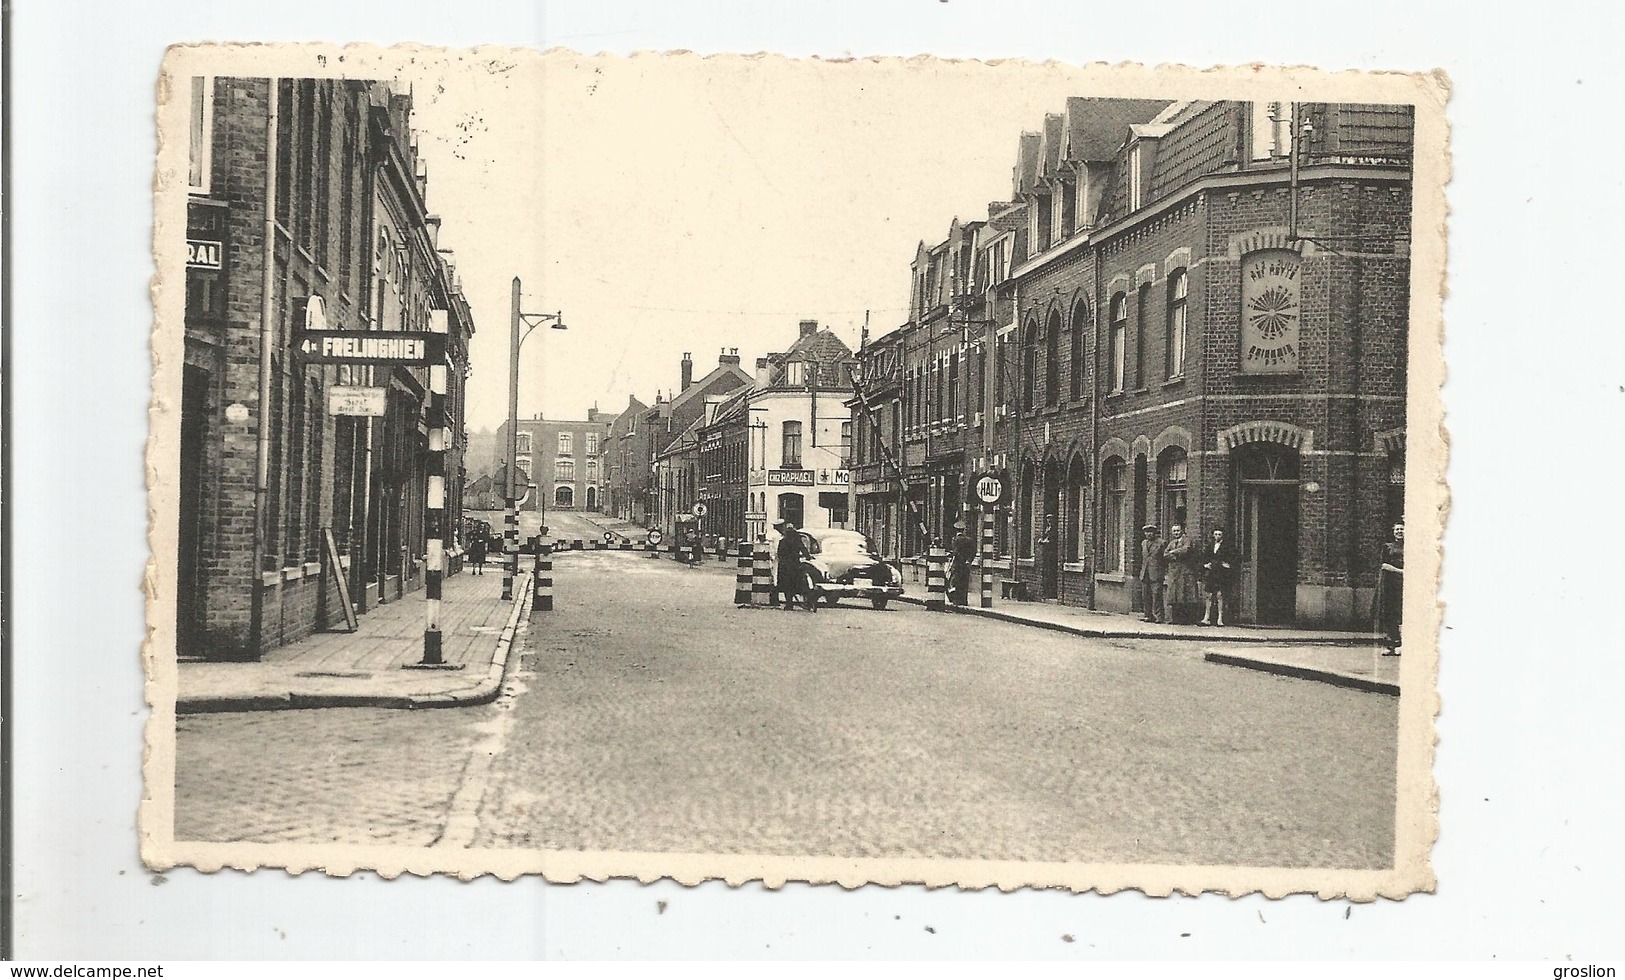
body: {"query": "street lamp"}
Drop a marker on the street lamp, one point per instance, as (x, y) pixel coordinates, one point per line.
(511, 510)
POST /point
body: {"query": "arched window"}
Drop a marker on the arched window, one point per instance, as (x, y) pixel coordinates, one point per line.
(1119, 343)
(1174, 342)
(1052, 359)
(1114, 519)
(1080, 325)
(592, 498)
(1173, 475)
(564, 495)
(1072, 533)
(1029, 364)
(1142, 333)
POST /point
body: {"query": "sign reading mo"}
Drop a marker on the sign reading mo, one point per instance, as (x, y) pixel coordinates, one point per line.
(409, 349)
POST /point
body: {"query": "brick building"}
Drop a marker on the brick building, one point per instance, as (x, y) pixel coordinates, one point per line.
(724, 461)
(652, 434)
(564, 458)
(1206, 324)
(354, 247)
(626, 474)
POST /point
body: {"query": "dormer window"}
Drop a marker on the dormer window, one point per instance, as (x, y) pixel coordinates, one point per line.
(795, 373)
(1271, 125)
(1069, 207)
(1136, 184)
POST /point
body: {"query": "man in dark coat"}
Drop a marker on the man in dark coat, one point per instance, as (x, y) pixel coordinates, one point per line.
(1389, 605)
(964, 552)
(792, 580)
(1153, 569)
(1218, 565)
(476, 555)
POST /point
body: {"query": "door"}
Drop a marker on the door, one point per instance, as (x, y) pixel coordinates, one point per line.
(1269, 539)
(791, 509)
(195, 385)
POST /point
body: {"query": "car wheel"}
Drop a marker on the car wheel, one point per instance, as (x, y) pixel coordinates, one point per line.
(879, 601)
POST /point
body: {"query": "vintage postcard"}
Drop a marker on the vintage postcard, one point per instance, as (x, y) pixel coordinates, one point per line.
(737, 467)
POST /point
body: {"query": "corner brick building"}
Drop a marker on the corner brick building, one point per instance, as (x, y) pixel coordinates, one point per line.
(352, 247)
(1207, 322)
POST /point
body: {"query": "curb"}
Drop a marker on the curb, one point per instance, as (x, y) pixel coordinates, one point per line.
(1305, 673)
(484, 692)
(1264, 637)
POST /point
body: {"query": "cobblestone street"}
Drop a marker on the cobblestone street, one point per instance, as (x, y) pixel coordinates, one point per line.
(648, 714)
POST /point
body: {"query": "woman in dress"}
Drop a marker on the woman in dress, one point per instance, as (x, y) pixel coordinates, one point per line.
(1388, 611)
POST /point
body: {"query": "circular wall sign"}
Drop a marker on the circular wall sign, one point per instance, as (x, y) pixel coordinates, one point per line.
(609, 537)
(655, 537)
(698, 510)
(989, 489)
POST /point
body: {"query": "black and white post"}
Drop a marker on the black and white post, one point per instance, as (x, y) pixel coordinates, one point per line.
(435, 505)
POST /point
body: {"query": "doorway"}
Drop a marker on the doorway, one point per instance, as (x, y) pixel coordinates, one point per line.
(1267, 533)
(195, 386)
(792, 509)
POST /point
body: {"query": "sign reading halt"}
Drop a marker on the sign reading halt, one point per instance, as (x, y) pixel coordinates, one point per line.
(391, 347)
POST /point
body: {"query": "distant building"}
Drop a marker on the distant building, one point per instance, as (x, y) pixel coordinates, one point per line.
(564, 459)
(354, 248)
(663, 424)
(626, 470)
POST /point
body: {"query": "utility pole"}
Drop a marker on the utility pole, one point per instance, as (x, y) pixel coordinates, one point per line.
(510, 513)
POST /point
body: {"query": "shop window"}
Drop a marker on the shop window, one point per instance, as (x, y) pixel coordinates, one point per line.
(1174, 342)
(1119, 341)
(1114, 520)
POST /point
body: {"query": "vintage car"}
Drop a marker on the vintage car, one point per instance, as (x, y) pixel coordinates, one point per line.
(845, 565)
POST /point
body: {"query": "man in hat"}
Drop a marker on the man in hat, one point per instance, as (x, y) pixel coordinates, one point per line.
(791, 578)
(964, 552)
(1153, 570)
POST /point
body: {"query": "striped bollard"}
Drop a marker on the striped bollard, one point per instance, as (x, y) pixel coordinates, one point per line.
(936, 584)
(742, 577)
(761, 575)
(987, 558)
(542, 595)
(648, 548)
(510, 547)
(435, 505)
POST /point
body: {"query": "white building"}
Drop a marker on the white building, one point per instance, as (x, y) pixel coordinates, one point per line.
(800, 434)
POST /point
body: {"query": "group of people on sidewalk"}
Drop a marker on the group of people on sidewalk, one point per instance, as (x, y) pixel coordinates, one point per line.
(1176, 572)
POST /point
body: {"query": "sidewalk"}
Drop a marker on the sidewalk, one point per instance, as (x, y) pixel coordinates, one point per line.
(1094, 623)
(364, 669)
(1363, 669)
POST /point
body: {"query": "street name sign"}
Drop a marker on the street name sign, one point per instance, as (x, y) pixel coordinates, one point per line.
(362, 401)
(389, 347)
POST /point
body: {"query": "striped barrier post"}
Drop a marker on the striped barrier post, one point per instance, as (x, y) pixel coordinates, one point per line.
(510, 547)
(542, 593)
(575, 544)
(987, 558)
(742, 577)
(761, 575)
(936, 584)
(435, 505)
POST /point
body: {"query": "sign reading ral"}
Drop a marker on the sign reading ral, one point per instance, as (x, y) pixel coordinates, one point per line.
(391, 347)
(356, 400)
(202, 255)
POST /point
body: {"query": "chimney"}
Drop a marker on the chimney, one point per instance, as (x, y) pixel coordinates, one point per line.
(688, 371)
(729, 356)
(762, 377)
(809, 327)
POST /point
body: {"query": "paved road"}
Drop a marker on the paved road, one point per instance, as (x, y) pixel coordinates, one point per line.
(648, 714)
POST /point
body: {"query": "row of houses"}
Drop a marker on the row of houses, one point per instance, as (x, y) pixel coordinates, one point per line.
(1187, 312)
(302, 480)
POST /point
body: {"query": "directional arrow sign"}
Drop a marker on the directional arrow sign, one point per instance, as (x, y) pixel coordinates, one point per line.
(409, 349)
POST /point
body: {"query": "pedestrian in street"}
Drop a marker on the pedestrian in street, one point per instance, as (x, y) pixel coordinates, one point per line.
(1153, 569)
(1181, 579)
(773, 538)
(476, 554)
(1387, 612)
(792, 579)
(964, 554)
(1219, 577)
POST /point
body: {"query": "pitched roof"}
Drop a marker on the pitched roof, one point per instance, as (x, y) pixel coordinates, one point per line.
(1096, 128)
(821, 346)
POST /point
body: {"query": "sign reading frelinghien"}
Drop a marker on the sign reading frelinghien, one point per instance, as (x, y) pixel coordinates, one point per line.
(371, 347)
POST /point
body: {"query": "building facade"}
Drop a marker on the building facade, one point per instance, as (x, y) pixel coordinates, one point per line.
(563, 459)
(1204, 321)
(654, 437)
(626, 475)
(799, 435)
(261, 549)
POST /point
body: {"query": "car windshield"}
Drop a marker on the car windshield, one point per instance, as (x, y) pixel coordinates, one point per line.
(851, 543)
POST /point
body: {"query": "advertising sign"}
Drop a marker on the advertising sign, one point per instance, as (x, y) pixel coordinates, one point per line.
(1270, 315)
(357, 400)
(202, 255)
(789, 478)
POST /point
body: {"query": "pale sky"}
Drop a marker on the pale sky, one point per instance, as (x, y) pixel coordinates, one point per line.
(671, 204)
